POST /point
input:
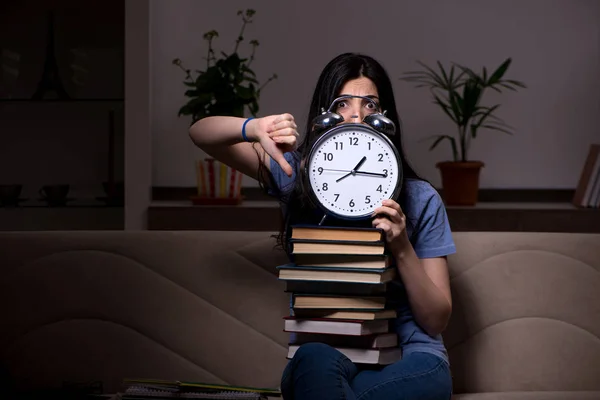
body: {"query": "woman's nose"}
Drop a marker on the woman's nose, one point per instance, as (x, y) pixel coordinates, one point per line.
(356, 113)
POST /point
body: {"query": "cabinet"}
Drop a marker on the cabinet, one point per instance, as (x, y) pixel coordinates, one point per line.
(62, 114)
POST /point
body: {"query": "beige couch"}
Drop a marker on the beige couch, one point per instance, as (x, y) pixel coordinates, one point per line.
(207, 306)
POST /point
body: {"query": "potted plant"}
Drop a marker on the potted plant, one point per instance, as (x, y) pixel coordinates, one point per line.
(227, 86)
(458, 92)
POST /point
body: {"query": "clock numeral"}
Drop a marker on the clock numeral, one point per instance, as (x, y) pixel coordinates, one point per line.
(320, 169)
(337, 196)
(351, 204)
(367, 199)
(328, 156)
(339, 146)
(326, 187)
(385, 172)
(380, 157)
(369, 143)
(353, 141)
(379, 189)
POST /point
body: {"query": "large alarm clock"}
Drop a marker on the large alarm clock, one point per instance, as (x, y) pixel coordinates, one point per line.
(352, 167)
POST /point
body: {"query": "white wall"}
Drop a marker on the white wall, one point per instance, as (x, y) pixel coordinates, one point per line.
(554, 45)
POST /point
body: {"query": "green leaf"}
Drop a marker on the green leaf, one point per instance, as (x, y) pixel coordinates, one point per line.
(192, 92)
(515, 83)
(452, 141)
(446, 109)
(247, 69)
(250, 79)
(244, 93)
(473, 130)
(497, 128)
(455, 105)
(444, 75)
(499, 72)
(471, 94)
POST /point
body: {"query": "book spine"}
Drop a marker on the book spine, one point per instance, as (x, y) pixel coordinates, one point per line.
(232, 182)
(201, 177)
(222, 180)
(211, 177)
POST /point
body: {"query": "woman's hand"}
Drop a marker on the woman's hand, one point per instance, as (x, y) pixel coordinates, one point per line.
(277, 134)
(392, 220)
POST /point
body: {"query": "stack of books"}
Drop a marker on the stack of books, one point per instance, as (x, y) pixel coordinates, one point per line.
(151, 389)
(337, 280)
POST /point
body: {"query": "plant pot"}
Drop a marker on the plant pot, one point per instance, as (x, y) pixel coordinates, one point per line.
(460, 182)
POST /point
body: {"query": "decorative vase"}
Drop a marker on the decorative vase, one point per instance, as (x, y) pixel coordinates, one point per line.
(460, 182)
(217, 183)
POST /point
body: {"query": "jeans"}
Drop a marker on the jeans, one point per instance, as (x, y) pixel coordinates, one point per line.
(318, 371)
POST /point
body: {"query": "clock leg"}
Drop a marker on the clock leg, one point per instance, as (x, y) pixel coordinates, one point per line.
(322, 219)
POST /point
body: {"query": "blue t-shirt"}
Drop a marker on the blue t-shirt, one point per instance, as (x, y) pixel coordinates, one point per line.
(430, 235)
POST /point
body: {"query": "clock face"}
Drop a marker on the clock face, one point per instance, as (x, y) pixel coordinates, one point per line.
(351, 169)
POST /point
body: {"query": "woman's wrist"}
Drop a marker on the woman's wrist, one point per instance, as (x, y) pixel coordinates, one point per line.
(247, 131)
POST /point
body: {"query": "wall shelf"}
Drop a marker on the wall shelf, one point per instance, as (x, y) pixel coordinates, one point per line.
(61, 218)
(59, 101)
(266, 216)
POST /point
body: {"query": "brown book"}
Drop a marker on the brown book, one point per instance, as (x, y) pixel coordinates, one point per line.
(337, 288)
(590, 170)
(316, 232)
(300, 246)
(375, 341)
(337, 327)
(378, 261)
(364, 315)
(291, 272)
(338, 302)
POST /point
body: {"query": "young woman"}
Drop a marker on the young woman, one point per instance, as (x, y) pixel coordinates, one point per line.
(416, 229)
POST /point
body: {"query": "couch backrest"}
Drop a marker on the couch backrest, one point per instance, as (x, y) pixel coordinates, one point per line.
(526, 312)
(207, 306)
(82, 306)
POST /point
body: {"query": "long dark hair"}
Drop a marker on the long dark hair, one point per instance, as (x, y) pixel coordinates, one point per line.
(343, 68)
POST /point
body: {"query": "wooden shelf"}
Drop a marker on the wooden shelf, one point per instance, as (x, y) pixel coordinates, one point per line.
(266, 216)
(61, 218)
(182, 215)
(56, 101)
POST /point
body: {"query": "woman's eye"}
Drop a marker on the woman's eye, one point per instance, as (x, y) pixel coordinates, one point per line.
(342, 104)
(371, 106)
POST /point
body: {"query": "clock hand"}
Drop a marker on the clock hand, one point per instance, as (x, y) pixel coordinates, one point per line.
(356, 172)
(336, 170)
(371, 173)
(348, 174)
(362, 160)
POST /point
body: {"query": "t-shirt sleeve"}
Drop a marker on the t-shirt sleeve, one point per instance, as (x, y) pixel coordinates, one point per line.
(282, 182)
(433, 237)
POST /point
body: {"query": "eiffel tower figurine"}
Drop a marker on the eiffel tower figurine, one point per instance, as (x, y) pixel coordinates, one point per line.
(50, 81)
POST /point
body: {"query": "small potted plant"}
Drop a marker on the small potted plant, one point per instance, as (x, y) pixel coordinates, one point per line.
(229, 87)
(458, 91)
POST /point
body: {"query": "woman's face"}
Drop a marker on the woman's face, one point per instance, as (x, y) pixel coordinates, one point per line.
(356, 109)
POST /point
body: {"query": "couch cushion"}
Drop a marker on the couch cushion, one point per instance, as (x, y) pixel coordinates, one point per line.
(526, 313)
